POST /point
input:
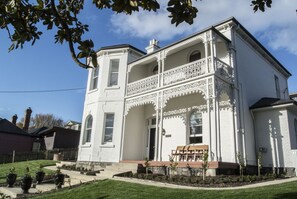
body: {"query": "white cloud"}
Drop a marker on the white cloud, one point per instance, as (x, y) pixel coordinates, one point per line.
(278, 25)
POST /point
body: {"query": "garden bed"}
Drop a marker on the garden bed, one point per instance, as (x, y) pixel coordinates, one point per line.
(210, 181)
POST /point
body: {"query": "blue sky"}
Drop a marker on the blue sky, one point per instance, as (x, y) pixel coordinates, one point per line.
(47, 66)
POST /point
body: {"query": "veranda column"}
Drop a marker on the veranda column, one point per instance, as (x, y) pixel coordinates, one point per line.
(206, 56)
(215, 130)
(156, 151)
(161, 125)
(208, 102)
(233, 101)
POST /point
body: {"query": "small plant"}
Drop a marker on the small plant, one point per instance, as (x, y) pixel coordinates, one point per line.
(59, 178)
(11, 177)
(26, 181)
(3, 196)
(40, 174)
(259, 158)
(146, 164)
(172, 165)
(241, 163)
(204, 164)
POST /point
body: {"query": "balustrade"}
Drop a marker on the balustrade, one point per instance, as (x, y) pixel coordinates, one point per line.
(142, 85)
(180, 74)
(184, 72)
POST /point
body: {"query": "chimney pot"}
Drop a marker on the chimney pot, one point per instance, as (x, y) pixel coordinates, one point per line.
(153, 46)
(14, 119)
(27, 119)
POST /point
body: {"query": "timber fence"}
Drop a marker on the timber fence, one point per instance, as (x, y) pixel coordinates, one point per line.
(64, 154)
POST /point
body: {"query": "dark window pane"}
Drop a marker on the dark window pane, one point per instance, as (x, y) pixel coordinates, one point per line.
(196, 55)
(195, 140)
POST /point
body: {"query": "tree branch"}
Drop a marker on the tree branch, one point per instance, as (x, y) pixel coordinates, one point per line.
(70, 42)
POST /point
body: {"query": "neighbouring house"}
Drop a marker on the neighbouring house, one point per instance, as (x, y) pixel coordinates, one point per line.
(13, 138)
(51, 138)
(293, 96)
(73, 125)
(218, 89)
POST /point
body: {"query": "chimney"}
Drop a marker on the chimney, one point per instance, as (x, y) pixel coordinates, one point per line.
(14, 119)
(153, 46)
(27, 119)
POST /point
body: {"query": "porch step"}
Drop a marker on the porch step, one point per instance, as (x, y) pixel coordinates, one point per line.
(116, 168)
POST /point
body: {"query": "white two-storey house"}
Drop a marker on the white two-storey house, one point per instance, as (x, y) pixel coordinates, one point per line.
(218, 88)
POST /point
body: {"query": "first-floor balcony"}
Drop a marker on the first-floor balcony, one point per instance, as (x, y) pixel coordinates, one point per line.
(183, 73)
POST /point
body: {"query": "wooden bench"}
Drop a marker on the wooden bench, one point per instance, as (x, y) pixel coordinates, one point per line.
(189, 152)
(195, 152)
(180, 153)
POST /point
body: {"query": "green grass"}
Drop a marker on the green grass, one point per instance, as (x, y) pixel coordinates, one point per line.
(111, 189)
(21, 166)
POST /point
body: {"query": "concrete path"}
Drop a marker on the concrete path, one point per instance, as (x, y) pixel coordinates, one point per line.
(76, 178)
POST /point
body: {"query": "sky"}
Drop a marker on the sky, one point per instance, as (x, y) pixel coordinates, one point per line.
(48, 66)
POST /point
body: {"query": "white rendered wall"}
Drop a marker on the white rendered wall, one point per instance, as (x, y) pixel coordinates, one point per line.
(255, 81)
(103, 100)
(135, 135)
(273, 132)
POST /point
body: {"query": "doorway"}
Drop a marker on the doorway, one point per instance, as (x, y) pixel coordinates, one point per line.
(151, 138)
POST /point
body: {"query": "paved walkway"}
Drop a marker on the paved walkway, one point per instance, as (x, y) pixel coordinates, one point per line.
(77, 178)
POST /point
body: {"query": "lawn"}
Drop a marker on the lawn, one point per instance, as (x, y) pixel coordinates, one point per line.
(111, 189)
(21, 166)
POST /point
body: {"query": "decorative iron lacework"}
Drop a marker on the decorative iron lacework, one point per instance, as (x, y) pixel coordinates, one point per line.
(184, 72)
(195, 87)
(146, 99)
(224, 69)
(142, 85)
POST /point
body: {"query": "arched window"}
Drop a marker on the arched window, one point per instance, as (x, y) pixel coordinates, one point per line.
(94, 80)
(195, 127)
(196, 55)
(155, 70)
(88, 129)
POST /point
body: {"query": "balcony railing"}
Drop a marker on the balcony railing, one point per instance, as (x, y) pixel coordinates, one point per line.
(179, 74)
(142, 85)
(223, 69)
(184, 72)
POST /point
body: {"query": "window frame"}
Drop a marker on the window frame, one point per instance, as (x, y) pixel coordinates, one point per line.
(111, 73)
(88, 129)
(104, 141)
(199, 134)
(94, 78)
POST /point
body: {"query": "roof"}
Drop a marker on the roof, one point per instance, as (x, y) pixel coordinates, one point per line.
(35, 131)
(120, 46)
(231, 19)
(184, 39)
(257, 42)
(56, 129)
(269, 102)
(8, 127)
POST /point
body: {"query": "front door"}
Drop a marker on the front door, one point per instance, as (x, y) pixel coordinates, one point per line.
(152, 143)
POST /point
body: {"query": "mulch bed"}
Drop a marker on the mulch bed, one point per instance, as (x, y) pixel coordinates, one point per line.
(210, 181)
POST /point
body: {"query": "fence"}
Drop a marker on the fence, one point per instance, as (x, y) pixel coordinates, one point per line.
(67, 154)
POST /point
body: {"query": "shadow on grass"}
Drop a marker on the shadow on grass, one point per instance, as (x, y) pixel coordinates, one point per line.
(292, 195)
(102, 197)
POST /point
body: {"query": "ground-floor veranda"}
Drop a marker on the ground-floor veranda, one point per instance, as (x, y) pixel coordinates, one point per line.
(155, 124)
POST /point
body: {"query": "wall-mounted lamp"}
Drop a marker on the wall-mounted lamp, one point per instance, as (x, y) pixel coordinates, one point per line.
(163, 132)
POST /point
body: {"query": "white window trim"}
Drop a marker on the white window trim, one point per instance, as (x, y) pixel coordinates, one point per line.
(85, 142)
(110, 73)
(195, 135)
(93, 77)
(104, 128)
